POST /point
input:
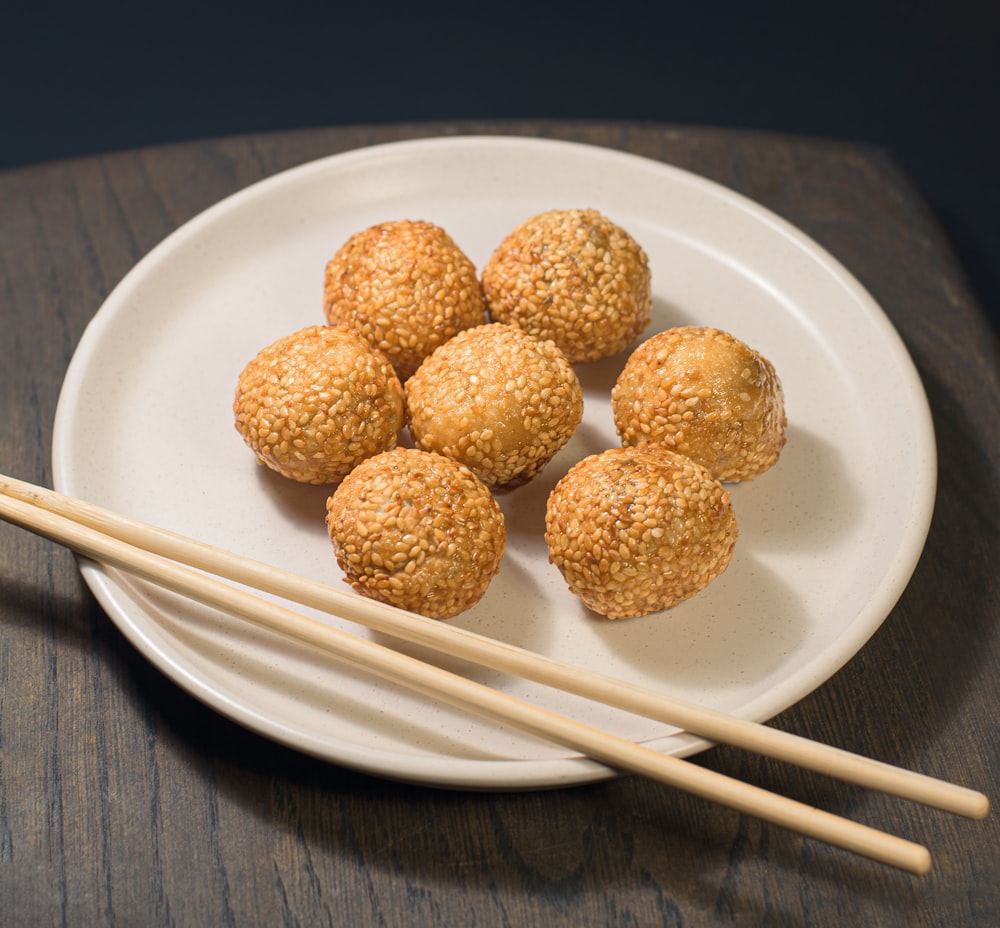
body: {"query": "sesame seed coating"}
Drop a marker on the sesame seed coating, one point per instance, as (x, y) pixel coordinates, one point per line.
(417, 530)
(406, 286)
(572, 276)
(637, 530)
(315, 403)
(706, 394)
(497, 399)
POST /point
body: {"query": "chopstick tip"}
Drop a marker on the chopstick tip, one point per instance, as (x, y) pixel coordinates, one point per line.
(979, 806)
(922, 862)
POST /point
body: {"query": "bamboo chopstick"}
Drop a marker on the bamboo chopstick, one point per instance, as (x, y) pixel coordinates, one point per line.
(617, 753)
(456, 642)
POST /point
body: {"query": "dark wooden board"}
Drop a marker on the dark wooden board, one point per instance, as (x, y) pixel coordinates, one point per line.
(125, 801)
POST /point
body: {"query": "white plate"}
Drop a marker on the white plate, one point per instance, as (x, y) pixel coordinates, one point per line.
(829, 537)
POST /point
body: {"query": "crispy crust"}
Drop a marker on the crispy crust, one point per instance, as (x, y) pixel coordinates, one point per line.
(574, 277)
(418, 531)
(315, 403)
(706, 394)
(497, 399)
(406, 287)
(637, 530)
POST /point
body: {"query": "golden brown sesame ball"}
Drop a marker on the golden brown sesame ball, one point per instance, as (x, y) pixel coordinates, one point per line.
(315, 403)
(706, 394)
(637, 530)
(406, 286)
(418, 531)
(574, 277)
(497, 399)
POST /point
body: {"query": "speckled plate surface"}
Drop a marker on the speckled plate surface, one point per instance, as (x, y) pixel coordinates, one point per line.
(829, 537)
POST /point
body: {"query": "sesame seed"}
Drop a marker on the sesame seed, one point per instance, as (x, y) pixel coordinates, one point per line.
(433, 536)
(465, 403)
(406, 286)
(733, 420)
(628, 553)
(339, 400)
(548, 277)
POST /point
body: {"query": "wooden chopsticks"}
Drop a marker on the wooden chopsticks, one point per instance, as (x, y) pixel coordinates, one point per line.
(160, 557)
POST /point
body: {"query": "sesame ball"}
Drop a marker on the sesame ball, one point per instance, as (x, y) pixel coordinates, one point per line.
(418, 531)
(315, 403)
(637, 530)
(497, 399)
(406, 286)
(574, 277)
(706, 394)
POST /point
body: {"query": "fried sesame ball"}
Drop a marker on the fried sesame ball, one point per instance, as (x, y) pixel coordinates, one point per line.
(417, 530)
(406, 286)
(706, 394)
(497, 399)
(315, 403)
(638, 530)
(572, 276)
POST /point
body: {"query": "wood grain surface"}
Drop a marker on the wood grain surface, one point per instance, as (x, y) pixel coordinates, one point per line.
(124, 801)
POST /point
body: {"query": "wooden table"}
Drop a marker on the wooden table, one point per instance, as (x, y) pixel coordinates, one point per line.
(124, 801)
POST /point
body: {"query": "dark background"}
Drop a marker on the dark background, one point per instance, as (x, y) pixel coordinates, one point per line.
(919, 78)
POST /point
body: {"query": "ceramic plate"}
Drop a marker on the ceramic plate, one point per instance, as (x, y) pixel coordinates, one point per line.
(828, 538)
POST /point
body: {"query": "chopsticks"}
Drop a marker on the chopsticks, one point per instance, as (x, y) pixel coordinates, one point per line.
(173, 561)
